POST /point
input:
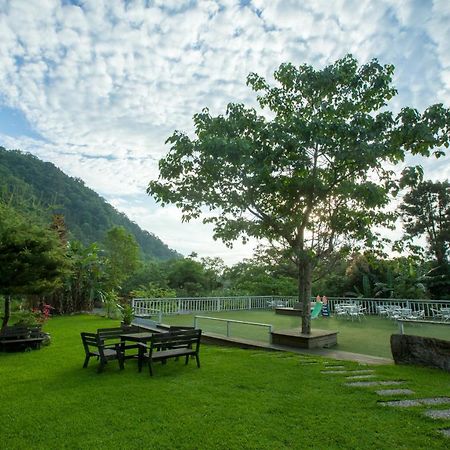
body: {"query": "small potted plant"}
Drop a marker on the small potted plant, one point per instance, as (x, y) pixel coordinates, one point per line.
(127, 312)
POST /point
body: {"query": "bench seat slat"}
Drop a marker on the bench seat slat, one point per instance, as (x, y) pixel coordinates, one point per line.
(171, 345)
(172, 353)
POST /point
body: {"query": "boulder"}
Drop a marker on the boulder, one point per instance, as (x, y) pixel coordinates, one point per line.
(418, 350)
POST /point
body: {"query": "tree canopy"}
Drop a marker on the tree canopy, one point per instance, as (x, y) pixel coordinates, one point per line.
(316, 173)
(425, 212)
(32, 258)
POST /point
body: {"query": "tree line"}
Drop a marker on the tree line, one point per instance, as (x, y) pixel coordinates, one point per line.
(39, 263)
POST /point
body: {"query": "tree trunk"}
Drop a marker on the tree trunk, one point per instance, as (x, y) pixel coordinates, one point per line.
(7, 311)
(304, 291)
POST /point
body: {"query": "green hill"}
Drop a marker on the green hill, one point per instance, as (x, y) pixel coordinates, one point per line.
(32, 185)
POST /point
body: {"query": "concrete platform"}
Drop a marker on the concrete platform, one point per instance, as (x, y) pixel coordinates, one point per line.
(295, 338)
(288, 311)
(215, 339)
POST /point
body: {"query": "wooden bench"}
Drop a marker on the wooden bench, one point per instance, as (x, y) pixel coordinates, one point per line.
(94, 346)
(113, 334)
(170, 345)
(21, 337)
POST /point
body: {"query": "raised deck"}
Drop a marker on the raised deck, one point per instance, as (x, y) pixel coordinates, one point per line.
(295, 338)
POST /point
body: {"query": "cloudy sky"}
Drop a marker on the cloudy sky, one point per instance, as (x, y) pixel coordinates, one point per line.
(97, 86)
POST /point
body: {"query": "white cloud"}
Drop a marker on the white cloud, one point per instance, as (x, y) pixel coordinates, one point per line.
(105, 84)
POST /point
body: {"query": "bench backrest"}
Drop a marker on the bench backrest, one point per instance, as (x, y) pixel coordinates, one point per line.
(92, 340)
(114, 333)
(176, 339)
(20, 332)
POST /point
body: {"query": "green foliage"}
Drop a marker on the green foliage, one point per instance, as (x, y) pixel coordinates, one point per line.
(317, 174)
(127, 313)
(31, 257)
(187, 277)
(426, 212)
(27, 318)
(83, 279)
(148, 273)
(122, 253)
(110, 301)
(151, 290)
(261, 275)
(33, 186)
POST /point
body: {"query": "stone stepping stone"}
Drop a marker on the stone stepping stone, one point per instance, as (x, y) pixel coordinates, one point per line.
(395, 392)
(435, 401)
(360, 377)
(446, 432)
(438, 413)
(348, 372)
(374, 383)
(418, 402)
(329, 366)
(401, 403)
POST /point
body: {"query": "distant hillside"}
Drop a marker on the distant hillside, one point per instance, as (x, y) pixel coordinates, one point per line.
(31, 184)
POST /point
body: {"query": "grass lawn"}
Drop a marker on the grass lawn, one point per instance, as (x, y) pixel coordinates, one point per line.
(238, 399)
(370, 336)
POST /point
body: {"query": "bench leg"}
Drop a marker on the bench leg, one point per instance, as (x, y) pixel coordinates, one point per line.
(101, 365)
(198, 360)
(86, 361)
(186, 360)
(150, 367)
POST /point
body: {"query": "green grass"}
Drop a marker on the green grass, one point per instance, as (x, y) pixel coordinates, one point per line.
(370, 336)
(238, 399)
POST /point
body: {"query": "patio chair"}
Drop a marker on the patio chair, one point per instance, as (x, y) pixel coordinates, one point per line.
(340, 311)
(94, 346)
(356, 311)
(445, 312)
(436, 313)
(416, 315)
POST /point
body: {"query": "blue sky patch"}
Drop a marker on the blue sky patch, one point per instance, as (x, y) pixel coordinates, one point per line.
(14, 123)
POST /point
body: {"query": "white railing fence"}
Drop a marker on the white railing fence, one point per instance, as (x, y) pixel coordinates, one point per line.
(231, 321)
(190, 305)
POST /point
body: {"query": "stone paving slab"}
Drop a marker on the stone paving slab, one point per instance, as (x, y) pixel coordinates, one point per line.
(360, 377)
(374, 383)
(438, 413)
(347, 372)
(446, 432)
(401, 403)
(418, 402)
(331, 366)
(435, 401)
(395, 392)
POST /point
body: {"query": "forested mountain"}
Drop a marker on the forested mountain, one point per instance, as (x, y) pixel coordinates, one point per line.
(32, 185)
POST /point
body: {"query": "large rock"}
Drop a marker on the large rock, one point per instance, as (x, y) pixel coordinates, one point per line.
(418, 350)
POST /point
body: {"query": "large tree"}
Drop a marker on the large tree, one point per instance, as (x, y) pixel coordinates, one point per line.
(32, 258)
(425, 212)
(317, 170)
